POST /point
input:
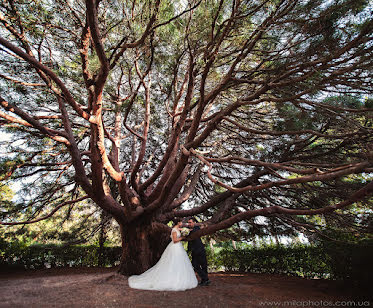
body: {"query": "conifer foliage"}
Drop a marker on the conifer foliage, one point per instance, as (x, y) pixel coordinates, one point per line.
(223, 109)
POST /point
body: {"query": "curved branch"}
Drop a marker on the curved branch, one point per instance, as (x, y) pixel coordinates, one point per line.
(137, 43)
(44, 217)
(76, 156)
(134, 174)
(215, 200)
(27, 84)
(48, 72)
(273, 210)
(318, 176)
(294, 132)
(176, 130)
(188, 190)
(92, 20)
(29, 121)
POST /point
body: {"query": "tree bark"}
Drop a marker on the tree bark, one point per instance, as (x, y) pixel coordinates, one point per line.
(102, 239)
(142, 246)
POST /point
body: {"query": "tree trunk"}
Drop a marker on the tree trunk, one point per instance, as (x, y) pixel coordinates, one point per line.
(142, 247)
(102, 238)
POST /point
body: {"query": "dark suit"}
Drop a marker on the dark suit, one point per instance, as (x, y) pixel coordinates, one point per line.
(199, 261)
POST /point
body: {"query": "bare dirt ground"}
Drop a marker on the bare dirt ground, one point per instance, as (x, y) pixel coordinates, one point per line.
(103, 287)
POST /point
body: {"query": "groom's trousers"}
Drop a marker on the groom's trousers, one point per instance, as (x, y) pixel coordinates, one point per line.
(199, 263)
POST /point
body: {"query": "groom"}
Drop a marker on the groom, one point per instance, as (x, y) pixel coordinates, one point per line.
(199, 261)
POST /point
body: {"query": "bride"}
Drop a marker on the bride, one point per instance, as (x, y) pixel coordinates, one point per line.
(173, 271)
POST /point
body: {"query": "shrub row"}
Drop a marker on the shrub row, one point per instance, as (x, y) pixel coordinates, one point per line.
(342, 262)
(352, 262)
(305, 261)
(18, 255)
(348, 262)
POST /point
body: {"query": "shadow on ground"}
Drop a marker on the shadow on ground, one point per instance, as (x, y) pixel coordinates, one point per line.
(103, 287)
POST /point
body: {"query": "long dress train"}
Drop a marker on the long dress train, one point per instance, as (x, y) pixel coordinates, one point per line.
(173, 271)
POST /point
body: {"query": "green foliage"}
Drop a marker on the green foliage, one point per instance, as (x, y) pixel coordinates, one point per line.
(19, 255)
(300, 54)
(346, 101)
(350, 262)
(300, 260)
(350, 256)
(70, 225)
(368, 103)
(6, 193)
(6, 203)
(328, 260)
(292, 118)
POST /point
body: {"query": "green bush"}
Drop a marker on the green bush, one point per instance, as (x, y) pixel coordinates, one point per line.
(349, 262)
(305, 261)
(19, 255)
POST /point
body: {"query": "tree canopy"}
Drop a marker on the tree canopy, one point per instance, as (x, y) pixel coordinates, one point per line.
(224, 109)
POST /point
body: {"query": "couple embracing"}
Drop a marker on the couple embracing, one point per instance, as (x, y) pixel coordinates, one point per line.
(173, 271)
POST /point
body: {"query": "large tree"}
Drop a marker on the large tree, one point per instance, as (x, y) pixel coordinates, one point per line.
(160, 109)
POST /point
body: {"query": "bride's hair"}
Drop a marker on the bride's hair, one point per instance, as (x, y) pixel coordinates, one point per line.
(175, 222)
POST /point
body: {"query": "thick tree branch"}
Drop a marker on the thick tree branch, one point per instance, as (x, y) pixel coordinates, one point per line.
(175, 132)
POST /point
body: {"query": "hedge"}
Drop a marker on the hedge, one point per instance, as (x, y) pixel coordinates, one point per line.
(305, 261)
(343, 261)
(18, 255)
(351, 263)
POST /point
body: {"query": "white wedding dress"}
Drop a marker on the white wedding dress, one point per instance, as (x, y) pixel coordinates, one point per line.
(173, 271)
